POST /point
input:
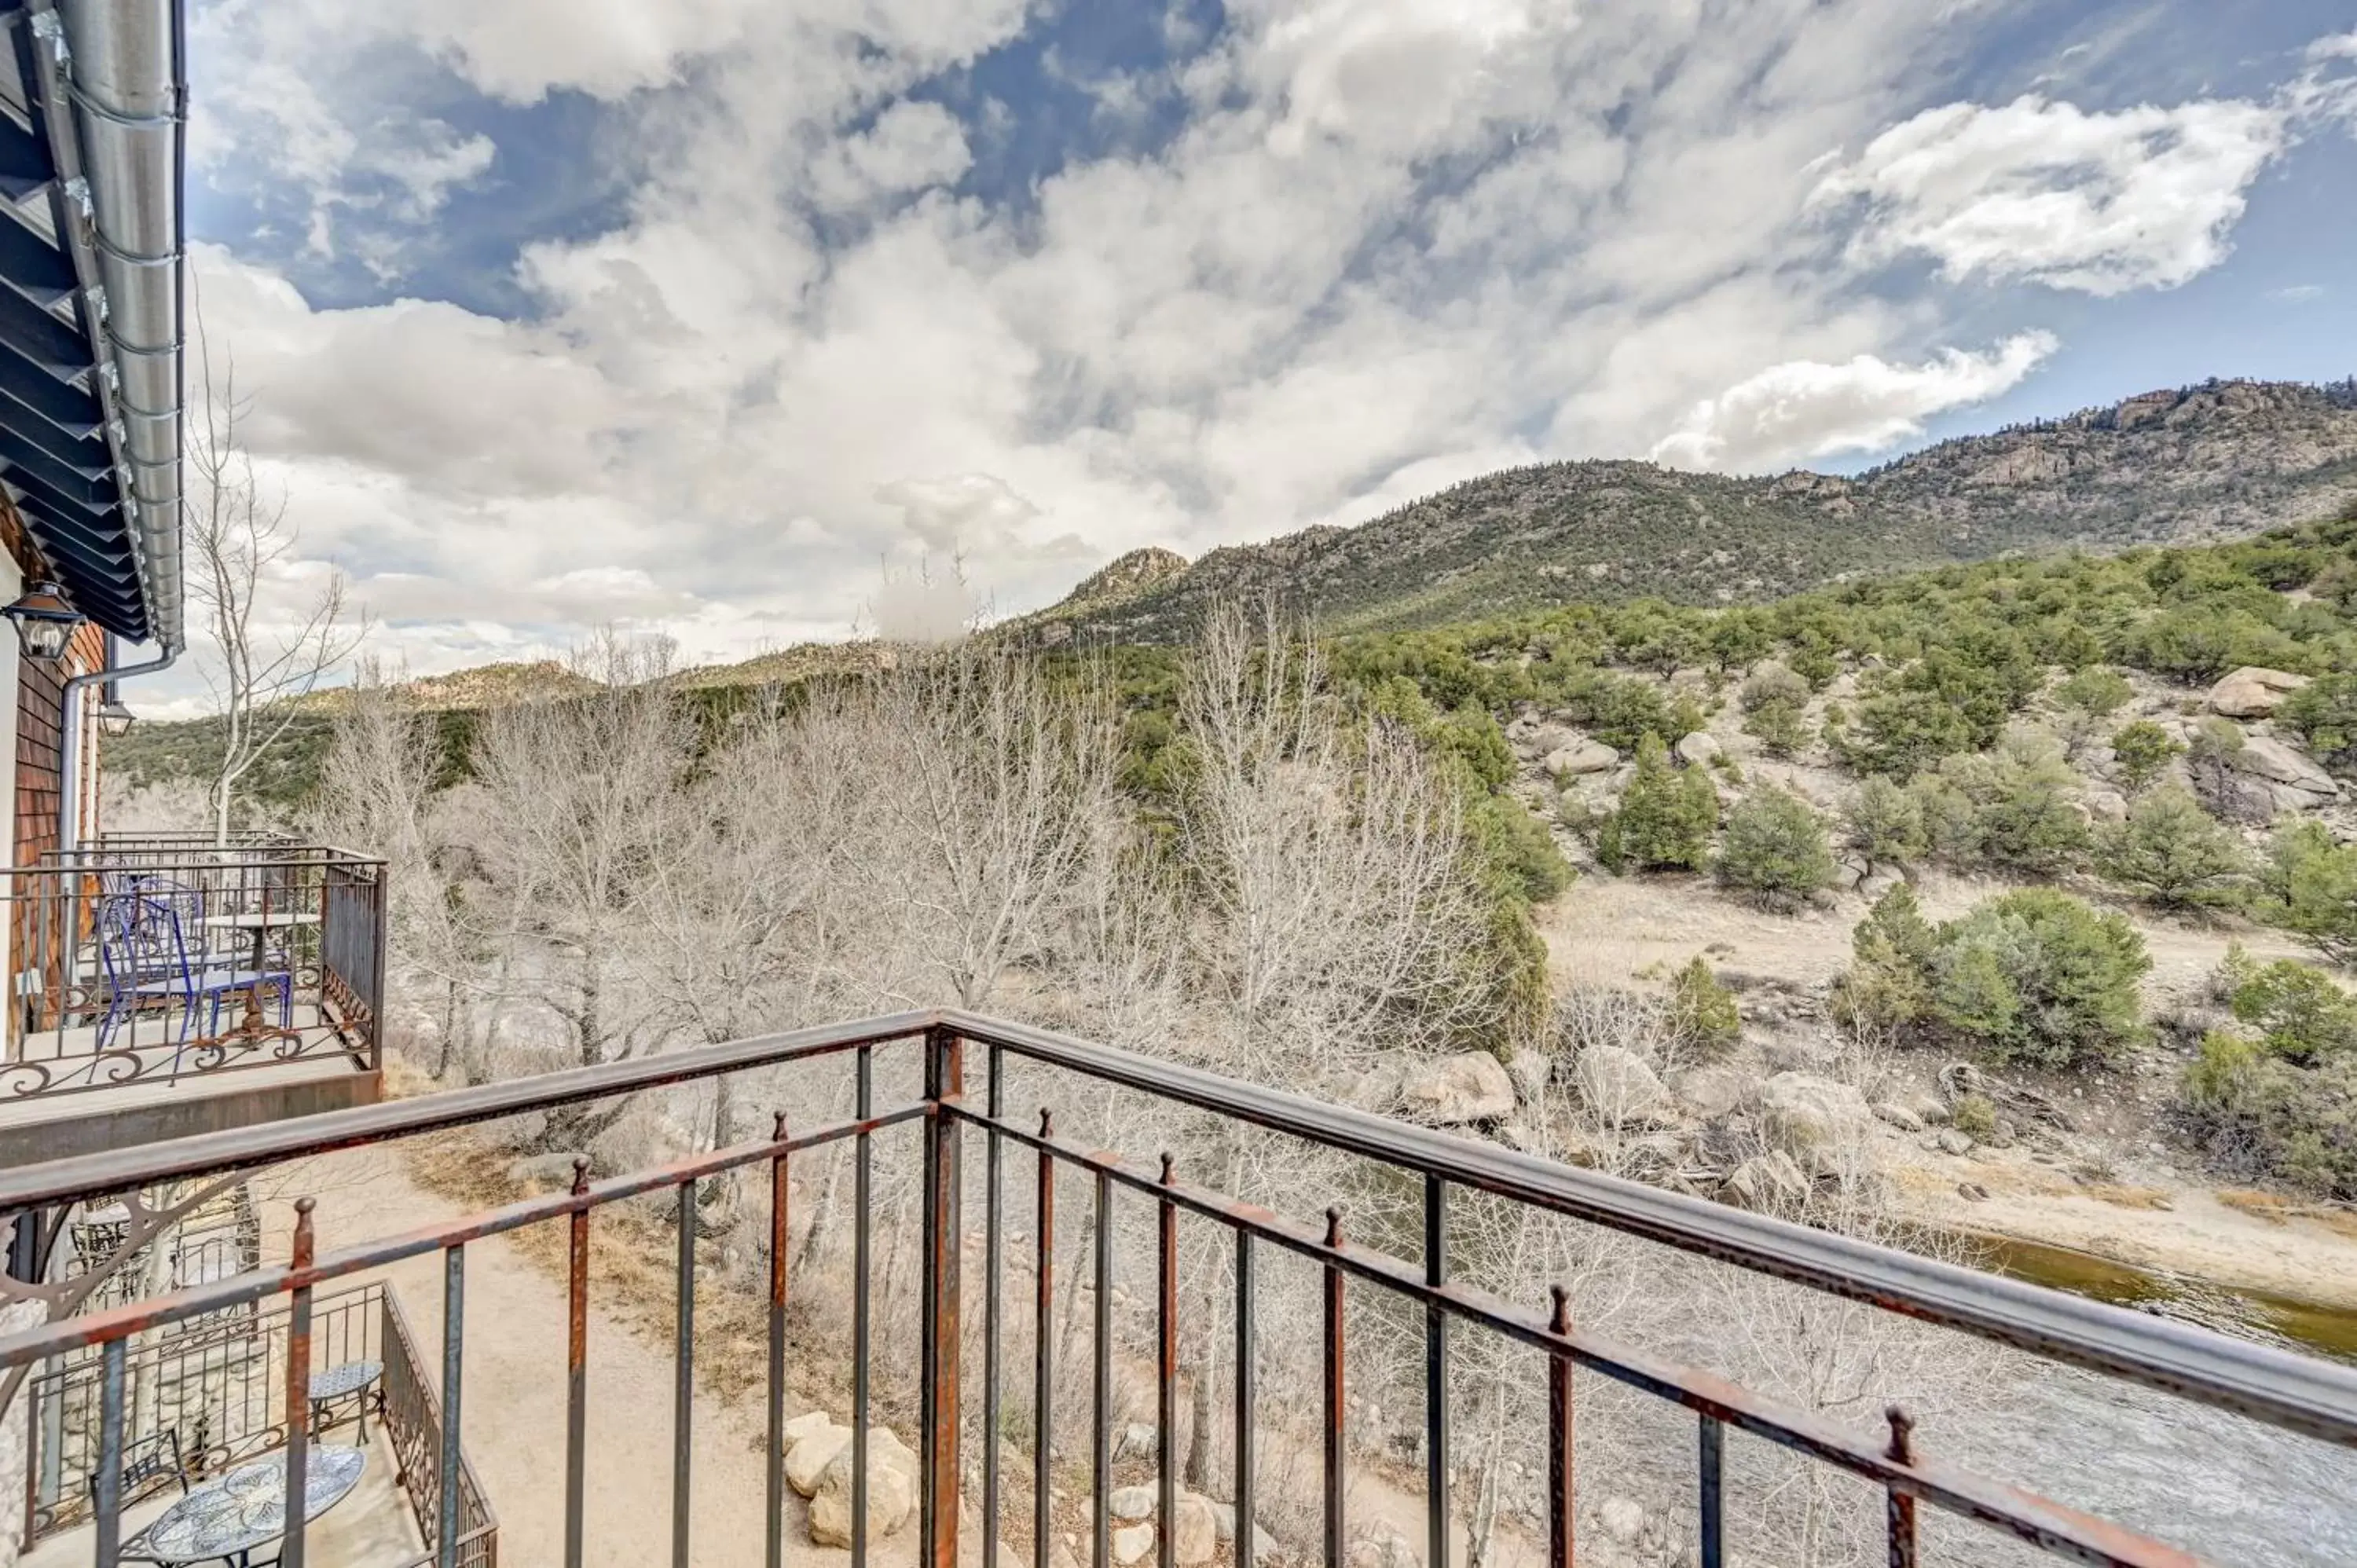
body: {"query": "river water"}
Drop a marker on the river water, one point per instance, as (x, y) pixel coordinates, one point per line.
(2232, 1490)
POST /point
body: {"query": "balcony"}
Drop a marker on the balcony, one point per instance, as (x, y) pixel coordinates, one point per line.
(1070, 1340)
(161, 987)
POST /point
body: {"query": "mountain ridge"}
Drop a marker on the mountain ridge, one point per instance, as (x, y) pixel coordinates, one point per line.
(2176, 466)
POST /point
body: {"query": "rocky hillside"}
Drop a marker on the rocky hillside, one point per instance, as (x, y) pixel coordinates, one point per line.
(2223, 458)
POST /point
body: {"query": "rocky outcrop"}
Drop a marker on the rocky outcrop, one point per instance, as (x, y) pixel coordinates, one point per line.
(1699, 749)
(2264, 756)
(891, 1490)
(1810, 1116)
(1583, 758)
(2253, 692)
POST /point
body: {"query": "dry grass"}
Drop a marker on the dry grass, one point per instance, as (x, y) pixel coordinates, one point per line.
(2121, 1197)
(2280, 1209)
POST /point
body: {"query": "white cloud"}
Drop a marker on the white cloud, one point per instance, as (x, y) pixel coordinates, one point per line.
(2043, 192)
(1391, 244)
(1803, 409)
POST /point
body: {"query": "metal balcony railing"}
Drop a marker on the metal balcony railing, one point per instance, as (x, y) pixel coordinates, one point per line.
(967, 1064)
(156, 962)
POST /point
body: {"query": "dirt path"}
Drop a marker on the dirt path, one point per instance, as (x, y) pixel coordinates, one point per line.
(514, 1398)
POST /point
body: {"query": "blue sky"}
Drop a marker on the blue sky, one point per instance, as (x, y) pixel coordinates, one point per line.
(758, 320)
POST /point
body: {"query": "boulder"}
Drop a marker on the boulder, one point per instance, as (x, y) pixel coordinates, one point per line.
(2105, 805)
(1951, 1142)
(1131, 1543)
(1699, 749)
(1874, 886)
(813, 1452)
(1587, 756)
(1851, 871)
(1459, 1089)
(1194, 1529)
(1898, 1115)
(1385, 1548)
(1623, 1520)
(1530, 1068)
(1619, 1085)
(1712, 1091)
(1928, 1108)
(2252, 693)
(2264, 756)
(1532, 739)
(1805, 1114)
(1224, 1521)
(891, 1491)
(808, 1425)
(1131, 1502)
(1765, 1182)
(1137, 1441)
(1378, 1088)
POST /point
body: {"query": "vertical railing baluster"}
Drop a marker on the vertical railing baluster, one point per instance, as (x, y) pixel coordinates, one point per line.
(1166, 1387)
(1247, 1520)
(576, 1365)
(1561, 1499)
(1101, 1455)
(298, 1391)
(1335, 1391)
(108, 1486)
(683, 1398)
(938, 1468)
(454, 1349)
(774, 1526)
(1043, 1354)
(862, 1179)
(1436, 1376)
(1712, 1466)
(991, 1281)
(1901, 1504)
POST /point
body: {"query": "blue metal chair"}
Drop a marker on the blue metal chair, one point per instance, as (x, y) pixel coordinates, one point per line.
(147, 959)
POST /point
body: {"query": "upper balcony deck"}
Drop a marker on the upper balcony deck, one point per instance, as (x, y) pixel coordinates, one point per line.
(159, 987)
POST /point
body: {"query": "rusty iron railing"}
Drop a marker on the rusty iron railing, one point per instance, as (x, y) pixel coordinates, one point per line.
(118, 954)
(412, 1424)
(2303, 1395)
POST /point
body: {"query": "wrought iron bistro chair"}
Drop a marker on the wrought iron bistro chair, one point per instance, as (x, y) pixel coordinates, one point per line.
(147, 958)
(147, 1464)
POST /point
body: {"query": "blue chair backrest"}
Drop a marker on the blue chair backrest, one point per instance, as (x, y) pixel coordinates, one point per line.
(140, 940)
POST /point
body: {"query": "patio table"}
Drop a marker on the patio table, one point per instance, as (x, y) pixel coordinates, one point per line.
(349, 1381)
(226, 1519)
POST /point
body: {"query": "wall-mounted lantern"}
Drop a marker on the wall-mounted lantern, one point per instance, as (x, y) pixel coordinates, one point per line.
(44, 622)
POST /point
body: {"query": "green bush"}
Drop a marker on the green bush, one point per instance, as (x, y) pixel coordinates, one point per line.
(1975, 1115)
(1774, 850)
(2033, 975)
(2323, 714)
(2084, 700)
(2038, 976)
(1665, 817)
(2310, 886)
(2025, 813)
(2141, 751)
(2301, 1016)
(1889, 985)
(2263, 1117)
(1884, 822)
(1774, 701)
(1619, 710)
(2173, 853)
(1702, 1009)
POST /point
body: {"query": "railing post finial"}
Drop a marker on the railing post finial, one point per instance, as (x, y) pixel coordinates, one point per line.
(1333, 1227)
(580, 1175)
(305, 1240)
(1561, 1323)
(1902, 1434)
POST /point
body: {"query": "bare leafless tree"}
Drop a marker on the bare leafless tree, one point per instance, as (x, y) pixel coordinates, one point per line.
(241, 539)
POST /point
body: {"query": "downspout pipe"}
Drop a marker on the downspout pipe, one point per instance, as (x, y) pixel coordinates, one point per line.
(70, 722)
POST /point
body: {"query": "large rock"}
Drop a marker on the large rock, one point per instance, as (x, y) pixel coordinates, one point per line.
(1587, 756)
(1898, 1116)
(2252, 693)
(813, 1452)
(1454, 1090)
(1378, 1088)
(1807, 1114)
(1851, 871)
(1713, 1091)
(1767, 1183)
(2264, 756)
(1131, 1502)
(1619, 1085)
(1699, 749)
(1194, 1529)
(891, 1491)
(1530, 1067)
(1131, 1543)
